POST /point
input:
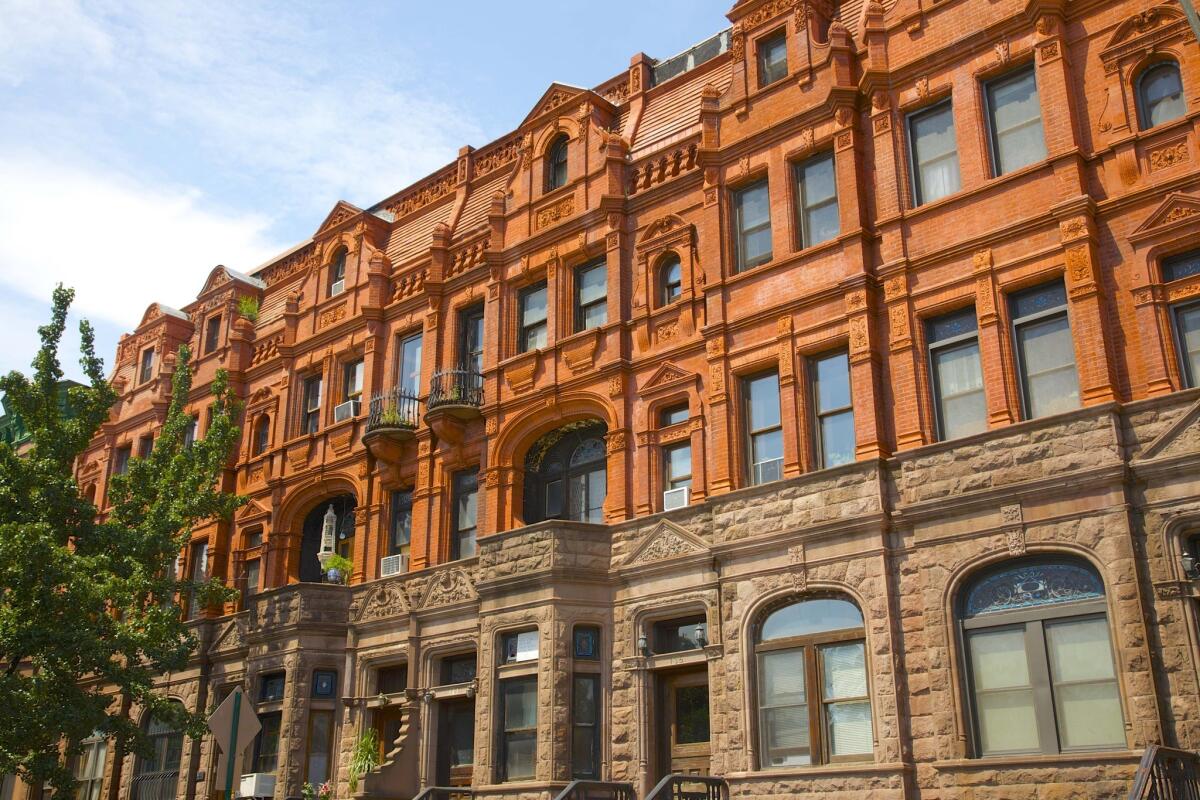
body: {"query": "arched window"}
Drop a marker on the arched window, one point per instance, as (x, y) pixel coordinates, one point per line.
(1160, 95)
(337, 273)
(814, 703)
(1040, 671)
(566, 474)
(158, 776)
(556, 163)
(310, 541)
(262, 434)
(670, 279)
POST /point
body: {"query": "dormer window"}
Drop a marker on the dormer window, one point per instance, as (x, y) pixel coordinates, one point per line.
(147, 365)
(212, 334)
(772, 59)
(556, 163)
(337, 273)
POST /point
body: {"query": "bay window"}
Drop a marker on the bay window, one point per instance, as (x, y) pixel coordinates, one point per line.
(752, 224)
(518, 727)
(1045, 350)
(959, 401)
(830, 385)
(532, 318)
(764, 428)
(591, 296)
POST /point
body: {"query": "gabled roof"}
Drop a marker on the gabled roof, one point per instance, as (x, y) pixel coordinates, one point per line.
(342, 212)
(559, 94)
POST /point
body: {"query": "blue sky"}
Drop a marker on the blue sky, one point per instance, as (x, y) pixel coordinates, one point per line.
(144, 143)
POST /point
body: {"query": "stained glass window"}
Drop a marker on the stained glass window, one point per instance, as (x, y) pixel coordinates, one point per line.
(1033, 585)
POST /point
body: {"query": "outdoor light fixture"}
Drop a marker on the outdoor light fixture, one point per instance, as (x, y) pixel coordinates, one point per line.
(643, 646)
(328, 535)
(471, 691)
(1190, 569)
(701, 639)
(428, 698)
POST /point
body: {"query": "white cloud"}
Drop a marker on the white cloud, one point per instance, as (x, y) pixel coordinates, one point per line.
(35, 34)
(120, 243)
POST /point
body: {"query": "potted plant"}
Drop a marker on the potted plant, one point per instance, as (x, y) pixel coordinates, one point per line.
(364, 758)
(248, 307)
(337, 568)
(312, 792)
(390, 418)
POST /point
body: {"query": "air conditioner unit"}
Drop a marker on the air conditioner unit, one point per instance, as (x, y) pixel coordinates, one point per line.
(337, 288)
(393, 565)
(675, 498)
(257, 784)
(346, 410)
(767, 471)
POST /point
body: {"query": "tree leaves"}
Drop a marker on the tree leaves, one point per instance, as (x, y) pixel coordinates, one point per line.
(90, 606)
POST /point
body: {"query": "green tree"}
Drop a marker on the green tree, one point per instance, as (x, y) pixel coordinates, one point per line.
(90, 606)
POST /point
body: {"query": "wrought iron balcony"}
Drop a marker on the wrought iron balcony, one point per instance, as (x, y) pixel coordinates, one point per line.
(397, 408)
(457, 390)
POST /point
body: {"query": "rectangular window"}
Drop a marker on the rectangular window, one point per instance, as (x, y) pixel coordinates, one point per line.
(147, 367)
(844, 698)
(522, 646)
(266, 746)
(465, 514)
(1045, 350)
(677, 466)
(1015, 121)
(391, 680)
(199, 575)
(533, 318)
(764, 428)
(752, 221)
(458, 669)
(816, 200)
(310, 410)
(1187, 331)
(830, 376)
(401, 523)
(673, 415)
(587, 643)
(121, 459)
(352, 380)
(585, 727)
(957, 375)
(145, 445)
(212, 334)
(251, 577)
(270, 687)
(324, 683)
(192, 431)
(409, 372)
(1183, 265)
(254, 538)
(1087, 702)
(591, 296)
(89, 768)
(470, 340)
(518, 735)
(772, 59)
(934, 153)
(678, 635)
(320, 745)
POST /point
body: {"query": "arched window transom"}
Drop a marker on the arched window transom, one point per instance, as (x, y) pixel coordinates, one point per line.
(670, 279)
(1041, 677)
(813, 693)
(556, 163)
(1160, 95)
(566, 474)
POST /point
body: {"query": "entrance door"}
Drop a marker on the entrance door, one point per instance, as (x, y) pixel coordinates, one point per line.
(685, 721)
(456, 742)
(387, 726)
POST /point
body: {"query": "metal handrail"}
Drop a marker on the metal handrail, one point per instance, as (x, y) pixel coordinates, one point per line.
(675, 787)
(597, 790)
(455, 387)
(394, 408)
(1167, 774)
(445, 793)
(154, 786)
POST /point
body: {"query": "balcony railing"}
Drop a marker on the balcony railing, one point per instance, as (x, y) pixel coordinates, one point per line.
(456, 387)
(154, 786)
(1167, 774)
(395, 408)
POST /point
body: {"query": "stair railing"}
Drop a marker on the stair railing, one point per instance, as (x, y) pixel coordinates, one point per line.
(597, 790)
(690, 787)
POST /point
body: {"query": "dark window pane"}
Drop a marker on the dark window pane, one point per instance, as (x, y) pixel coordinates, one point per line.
(1038, 299)
(772, 58)
(1181, 266)
(673, 415)
(691, 714)
(753, 223)
(1160, 95)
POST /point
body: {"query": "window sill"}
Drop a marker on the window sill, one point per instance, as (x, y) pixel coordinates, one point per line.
(1038, 759)
(825, 770)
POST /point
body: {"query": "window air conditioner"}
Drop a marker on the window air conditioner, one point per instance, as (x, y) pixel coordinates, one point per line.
(346, 410)
(257, 784)
(675, 498)
(393, 565)
(767, 471)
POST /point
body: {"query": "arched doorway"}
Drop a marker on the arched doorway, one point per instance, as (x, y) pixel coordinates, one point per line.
(310, 541)
(566, 474)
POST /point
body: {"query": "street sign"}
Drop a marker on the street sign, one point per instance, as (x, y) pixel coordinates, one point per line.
(234, 726)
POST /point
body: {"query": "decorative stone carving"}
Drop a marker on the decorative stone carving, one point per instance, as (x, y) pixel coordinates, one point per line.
(666, 540)
(449, 587)
(555, 212)
(425, 193)
(331, 316)
(385, 601)
(1169, 156)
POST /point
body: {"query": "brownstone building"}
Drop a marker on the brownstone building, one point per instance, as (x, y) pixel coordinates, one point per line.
(812, 409)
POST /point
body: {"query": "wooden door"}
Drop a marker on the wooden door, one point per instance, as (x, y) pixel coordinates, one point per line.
(456, 742)
(387, 728)
(686, 722)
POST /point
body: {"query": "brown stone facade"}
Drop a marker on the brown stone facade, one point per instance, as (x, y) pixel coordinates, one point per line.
(656, 160)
